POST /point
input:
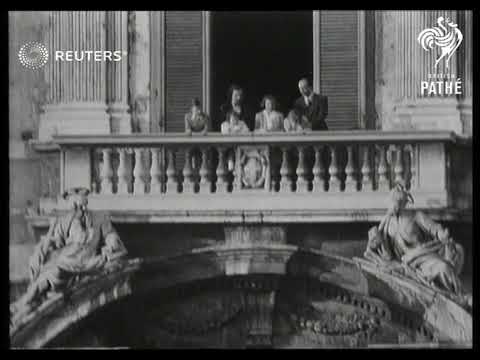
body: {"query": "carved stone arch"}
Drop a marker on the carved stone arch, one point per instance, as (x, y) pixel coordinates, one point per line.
(286, 297)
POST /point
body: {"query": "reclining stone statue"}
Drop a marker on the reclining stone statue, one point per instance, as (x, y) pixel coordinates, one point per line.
(412, 243)
(77, 244)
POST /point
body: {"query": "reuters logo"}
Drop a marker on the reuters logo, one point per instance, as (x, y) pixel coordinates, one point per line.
(33, 55)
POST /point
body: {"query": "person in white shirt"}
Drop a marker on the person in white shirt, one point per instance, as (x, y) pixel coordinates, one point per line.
(268, 119)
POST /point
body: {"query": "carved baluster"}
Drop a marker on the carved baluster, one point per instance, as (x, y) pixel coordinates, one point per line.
(172, 184)
(333, 170)
(350, 180)
(399, 164)
(205, 183)
(188, 181)
(318, 171)
(106, 173)
(367, 183)
(274, 170)
(138, 173)
(123, 175)
(222, 185)
(234, 164)
(155, 173)
(302, 183)
(413, 166)
(383, 181)
(285, 181)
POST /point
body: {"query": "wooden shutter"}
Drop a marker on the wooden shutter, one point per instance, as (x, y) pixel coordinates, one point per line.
(183, 66)
(339, 67)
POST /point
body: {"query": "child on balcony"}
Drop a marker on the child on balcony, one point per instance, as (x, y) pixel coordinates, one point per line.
(196, 120)
(233, 125)
(269, 119)
(294, 122)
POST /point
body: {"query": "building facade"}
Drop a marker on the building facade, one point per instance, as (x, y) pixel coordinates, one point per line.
(116, 128)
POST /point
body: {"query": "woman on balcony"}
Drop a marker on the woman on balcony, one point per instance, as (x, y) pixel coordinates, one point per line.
(196, 121)
(236, 104)
(268, 119)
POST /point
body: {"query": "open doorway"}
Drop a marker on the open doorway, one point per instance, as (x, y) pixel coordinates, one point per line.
(263, 52)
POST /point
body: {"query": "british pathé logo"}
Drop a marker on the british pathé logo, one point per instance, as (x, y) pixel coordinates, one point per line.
(446, 38)
(33, 55)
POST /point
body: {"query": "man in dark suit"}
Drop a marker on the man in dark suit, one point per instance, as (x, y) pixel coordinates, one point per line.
(313, 106)
(236, 104)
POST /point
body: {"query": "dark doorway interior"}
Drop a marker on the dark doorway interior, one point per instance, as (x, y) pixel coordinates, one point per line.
(264, 52)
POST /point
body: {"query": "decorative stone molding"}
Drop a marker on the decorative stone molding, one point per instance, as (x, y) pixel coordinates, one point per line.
(238, 235)
(253, 168)
(336, 323)
(73, 118)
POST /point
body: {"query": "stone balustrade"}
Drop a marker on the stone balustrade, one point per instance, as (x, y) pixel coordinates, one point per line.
(310, 177)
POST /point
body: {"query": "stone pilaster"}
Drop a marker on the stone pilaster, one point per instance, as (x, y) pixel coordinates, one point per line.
(157, 71)
(139, 31)
(77, 92)
(117, 73)
(403, 64)
(465, 71)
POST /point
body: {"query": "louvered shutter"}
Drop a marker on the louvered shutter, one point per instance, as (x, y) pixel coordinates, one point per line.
(183, 66)
(339, 67)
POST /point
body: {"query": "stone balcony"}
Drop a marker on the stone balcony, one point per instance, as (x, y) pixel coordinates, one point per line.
(334, 176)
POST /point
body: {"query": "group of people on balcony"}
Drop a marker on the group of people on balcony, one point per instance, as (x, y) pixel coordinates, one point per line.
(308, 113)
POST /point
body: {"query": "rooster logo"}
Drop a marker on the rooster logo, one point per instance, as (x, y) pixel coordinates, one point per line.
(448, 40)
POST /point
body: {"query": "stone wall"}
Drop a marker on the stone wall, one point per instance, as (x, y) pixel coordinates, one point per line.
(30, 176)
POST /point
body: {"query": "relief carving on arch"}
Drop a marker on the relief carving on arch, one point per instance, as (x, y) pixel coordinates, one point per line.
(200, 314)
(325, 315)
